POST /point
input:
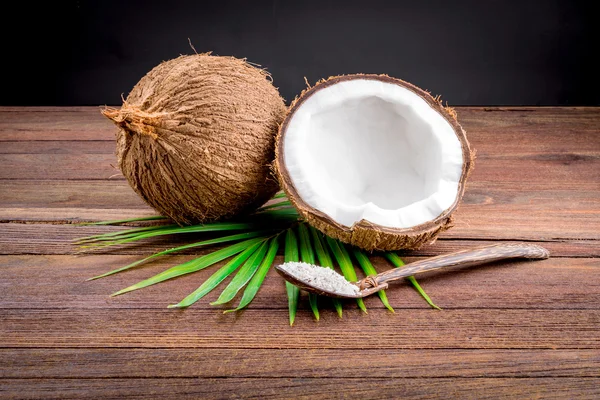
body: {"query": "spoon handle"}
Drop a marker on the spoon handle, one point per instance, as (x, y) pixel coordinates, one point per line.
(464, 258)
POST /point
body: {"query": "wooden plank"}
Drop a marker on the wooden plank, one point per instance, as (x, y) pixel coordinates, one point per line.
(73, 147)
(30, 238)
(487, 148)
(59, 123)
(501, 211)
(42, 123)
(95, 160)
(517, 169)
(508, 223)
(275, 363)
(303, 388)
(111, 194)
(570, 169)
(540, 164)
(39, 238)
(494, 224)
(554, 284)
(252, 329)
(59, 166)
(35, 238)
(537, 130)
(72, 215)
(537, 133)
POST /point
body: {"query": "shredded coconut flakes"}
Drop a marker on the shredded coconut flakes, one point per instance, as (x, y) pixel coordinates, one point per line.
(321, 278)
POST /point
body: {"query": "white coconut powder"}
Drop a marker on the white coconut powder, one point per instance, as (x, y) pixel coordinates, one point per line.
(322, 278)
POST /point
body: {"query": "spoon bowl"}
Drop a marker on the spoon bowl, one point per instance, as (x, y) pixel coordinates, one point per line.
(310, 287)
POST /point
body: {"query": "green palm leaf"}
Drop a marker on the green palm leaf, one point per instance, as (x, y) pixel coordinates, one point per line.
(193, 265)
(345, 264)
(267, 219)
(214, 227)
(121, 234)
(293, 292)
(397, 262)
(325, 261)
(224, 239)
(285, 203)
(308, 256)
(243, 276)
(276, 215)
(216, 278)
(259, 276)
(369, 270)
(252, 257)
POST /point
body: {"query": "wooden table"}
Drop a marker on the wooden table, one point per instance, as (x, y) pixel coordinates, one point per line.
(519, 329)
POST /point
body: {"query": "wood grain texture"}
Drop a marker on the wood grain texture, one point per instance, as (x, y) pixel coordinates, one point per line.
(64, 163)
(269, 329)
(53, 123)
(315, 363)
(513, 329)
(552, 284)
(303, 388)
(484, 214)
(46, 237)
(75, 195)
(523, 124)
(59, 166)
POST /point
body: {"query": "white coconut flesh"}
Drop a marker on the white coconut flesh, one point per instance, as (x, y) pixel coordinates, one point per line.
(365, 149)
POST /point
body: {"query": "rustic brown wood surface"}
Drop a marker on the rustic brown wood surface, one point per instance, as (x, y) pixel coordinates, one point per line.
(517, 329)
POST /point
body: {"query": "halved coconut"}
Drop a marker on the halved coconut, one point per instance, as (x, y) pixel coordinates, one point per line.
(373, 161)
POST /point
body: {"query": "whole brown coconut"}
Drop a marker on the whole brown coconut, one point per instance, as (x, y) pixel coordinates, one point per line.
(373, 161)
(196, 137)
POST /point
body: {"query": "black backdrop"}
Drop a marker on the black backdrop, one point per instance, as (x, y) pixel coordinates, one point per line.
(478, 52)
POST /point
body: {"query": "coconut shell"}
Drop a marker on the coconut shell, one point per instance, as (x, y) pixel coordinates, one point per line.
(196, 137)
(365, 234)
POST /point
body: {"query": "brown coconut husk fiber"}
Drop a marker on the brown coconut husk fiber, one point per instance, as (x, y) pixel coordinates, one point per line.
(196, 137)
(365, 234)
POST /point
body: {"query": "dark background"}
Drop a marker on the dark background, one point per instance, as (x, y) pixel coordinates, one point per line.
(471, 52)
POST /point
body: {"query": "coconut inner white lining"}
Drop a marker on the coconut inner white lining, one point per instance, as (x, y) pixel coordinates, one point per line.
(366, 149)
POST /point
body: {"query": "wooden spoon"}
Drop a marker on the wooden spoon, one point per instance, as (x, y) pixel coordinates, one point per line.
(373, 284)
